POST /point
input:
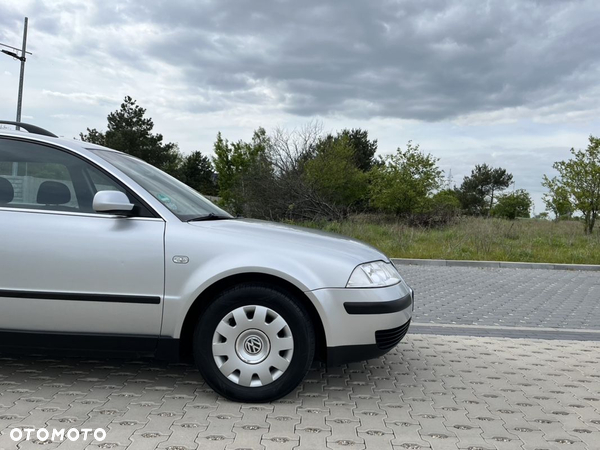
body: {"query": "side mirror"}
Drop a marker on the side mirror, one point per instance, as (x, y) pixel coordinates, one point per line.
(111, 201)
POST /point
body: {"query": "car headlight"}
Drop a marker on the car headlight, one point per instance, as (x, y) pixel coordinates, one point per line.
(374, 274)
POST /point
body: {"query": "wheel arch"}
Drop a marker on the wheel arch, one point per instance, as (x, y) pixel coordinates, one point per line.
(208, 295)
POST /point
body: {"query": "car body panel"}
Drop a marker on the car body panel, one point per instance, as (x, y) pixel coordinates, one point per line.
(222, 248)
(53, 252)
(343, 329)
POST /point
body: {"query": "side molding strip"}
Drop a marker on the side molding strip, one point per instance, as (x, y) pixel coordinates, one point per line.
(379, 307)
(80, 297)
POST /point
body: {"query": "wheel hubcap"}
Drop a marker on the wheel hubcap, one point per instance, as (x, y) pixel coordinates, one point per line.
(253, 346)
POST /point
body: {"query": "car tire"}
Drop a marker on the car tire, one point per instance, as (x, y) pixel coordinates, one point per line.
(254, 343)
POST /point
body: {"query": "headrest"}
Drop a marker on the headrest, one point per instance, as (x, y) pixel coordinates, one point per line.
(53, 193)
(7, 192)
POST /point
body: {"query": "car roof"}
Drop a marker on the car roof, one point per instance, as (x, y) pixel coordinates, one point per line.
(72, 144)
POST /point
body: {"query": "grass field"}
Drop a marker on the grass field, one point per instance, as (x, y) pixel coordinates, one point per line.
(472, 238)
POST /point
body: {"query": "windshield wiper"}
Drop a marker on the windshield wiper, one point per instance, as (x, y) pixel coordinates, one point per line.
(209, 216)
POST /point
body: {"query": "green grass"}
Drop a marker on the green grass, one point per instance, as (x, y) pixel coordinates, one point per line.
(472, 238)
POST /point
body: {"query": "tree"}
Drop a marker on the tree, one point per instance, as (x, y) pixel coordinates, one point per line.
(298, 174)
(233, 162)
(439, 209)
(557, 199)
(333, 176)
(478, 191)
(579, 177)
(131, 132)
(404, 182)
(513, 205)
(197, 172)
(364, 149)
(304, 176)
(289, 153)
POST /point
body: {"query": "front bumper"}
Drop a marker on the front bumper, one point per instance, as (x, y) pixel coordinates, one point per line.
(361, 324)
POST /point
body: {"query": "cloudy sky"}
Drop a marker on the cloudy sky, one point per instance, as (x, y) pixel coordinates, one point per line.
(513, 83)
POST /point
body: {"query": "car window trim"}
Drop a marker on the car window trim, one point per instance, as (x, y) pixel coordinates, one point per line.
(75, 213)
(151, 210)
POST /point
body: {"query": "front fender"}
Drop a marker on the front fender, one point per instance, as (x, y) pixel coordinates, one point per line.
(184, 283)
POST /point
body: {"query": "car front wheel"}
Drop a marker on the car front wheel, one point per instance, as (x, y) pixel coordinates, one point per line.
(254, 343)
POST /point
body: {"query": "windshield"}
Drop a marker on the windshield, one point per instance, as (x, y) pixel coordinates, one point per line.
(182, 200)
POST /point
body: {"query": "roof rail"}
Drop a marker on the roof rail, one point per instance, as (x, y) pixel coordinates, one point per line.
(30, 128)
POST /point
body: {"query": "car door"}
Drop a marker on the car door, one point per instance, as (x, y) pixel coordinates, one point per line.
(65, 268)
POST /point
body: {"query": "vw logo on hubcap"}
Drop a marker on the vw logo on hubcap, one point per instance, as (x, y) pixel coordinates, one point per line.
(253, 345)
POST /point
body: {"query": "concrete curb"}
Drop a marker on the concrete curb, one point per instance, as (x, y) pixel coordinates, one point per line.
(495, 264)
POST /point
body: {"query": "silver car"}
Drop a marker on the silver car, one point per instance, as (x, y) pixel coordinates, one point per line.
(103, 253)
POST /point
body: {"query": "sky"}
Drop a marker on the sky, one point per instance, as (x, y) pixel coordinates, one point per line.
(510, 83)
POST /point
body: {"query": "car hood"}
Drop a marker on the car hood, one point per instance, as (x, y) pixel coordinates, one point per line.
(295, 239)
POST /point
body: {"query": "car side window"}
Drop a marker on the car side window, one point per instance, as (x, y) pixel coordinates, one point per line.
(101, 182)
(35, 176)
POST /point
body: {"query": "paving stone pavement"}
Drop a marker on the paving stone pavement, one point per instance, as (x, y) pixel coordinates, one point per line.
(431, 392)
(505, 297)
